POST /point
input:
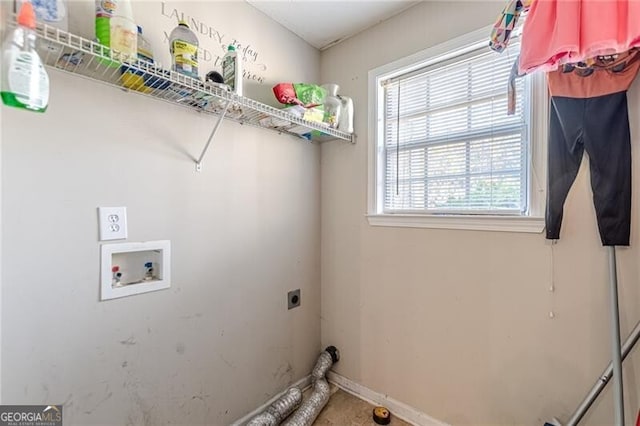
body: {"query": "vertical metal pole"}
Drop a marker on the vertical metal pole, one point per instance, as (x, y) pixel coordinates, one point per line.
(616, 359)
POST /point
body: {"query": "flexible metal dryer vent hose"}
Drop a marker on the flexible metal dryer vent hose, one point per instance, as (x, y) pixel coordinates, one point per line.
(309, 410)
(278, 410)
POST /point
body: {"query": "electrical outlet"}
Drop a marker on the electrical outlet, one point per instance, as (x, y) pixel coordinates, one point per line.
(293, 299)
(113, 223)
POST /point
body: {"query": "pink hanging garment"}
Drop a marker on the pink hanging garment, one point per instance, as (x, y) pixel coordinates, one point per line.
(633, 22)
(562, 31)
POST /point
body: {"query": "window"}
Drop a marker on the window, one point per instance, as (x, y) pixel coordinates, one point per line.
(445, 152)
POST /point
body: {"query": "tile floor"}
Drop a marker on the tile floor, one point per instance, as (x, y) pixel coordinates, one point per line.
(344, 409)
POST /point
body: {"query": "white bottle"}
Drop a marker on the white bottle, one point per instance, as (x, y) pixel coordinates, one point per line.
(25, 83)
(124, 33)
(232, 70)
(345, 122)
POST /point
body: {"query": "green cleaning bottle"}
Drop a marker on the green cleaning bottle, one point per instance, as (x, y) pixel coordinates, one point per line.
(232, 70)
(25, 83)
(104, 11)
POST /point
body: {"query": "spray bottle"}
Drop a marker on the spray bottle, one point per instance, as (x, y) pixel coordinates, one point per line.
(25, 83)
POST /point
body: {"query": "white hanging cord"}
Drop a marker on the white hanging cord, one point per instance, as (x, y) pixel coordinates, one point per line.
(552, 282)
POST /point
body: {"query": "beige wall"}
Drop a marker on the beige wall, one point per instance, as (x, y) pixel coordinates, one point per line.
(244, 231)
(456, 323)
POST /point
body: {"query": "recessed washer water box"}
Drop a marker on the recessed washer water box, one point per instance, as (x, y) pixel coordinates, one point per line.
(134, 268)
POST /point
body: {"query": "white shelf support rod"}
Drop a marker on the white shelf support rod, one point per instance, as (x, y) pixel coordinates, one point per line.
(604, 378)
(213, 133)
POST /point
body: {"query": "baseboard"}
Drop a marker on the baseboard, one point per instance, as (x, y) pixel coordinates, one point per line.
(303, 384)
(397, 408)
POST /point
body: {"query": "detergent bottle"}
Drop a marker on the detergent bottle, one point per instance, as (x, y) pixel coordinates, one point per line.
(183, 45)
(135, 78)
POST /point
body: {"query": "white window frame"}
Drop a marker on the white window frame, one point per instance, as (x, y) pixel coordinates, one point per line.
(533, 222)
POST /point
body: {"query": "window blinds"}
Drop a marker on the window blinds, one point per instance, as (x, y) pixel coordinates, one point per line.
(449, 145)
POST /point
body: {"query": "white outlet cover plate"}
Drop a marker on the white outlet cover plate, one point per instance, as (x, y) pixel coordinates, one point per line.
(113, 223)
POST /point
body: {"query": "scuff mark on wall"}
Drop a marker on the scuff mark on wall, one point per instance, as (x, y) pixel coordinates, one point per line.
(180, 348)
(188, 317)
(146, 415)
(141, 412)
(198, 404)
(45, 388)
(226, 362)
(201, 395)
(68, 403)
(285, 370)
(108, 394)
(129, 342)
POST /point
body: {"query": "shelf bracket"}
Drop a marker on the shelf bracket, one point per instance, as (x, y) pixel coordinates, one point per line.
(213, 133)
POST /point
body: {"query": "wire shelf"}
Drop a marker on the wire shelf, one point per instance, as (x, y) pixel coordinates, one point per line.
(72, 54)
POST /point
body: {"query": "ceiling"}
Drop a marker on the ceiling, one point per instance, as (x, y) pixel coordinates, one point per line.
(325, 23)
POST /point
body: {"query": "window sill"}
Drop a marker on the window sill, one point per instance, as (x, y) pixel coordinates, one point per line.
(534, 225)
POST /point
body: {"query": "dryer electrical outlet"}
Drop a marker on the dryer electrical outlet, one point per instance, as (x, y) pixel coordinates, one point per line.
(113, 223)
(293, 299)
